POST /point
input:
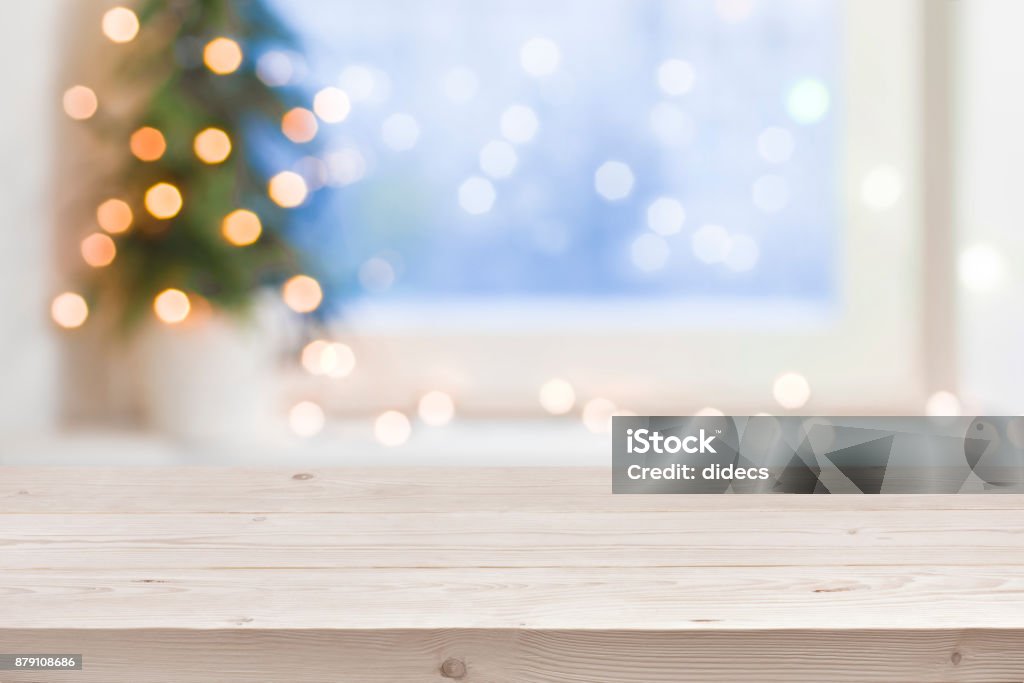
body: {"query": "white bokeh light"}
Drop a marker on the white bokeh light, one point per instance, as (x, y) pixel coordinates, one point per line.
(392, 428)
(360, 82)
(649, 252)
(981, 268)
(498, 159)
(711, 243)
(436, 408)
(400, 132)
(275, 68)
(881, 188)
(808, 101)
(770, 193)
(519, 124)
(345, 166)
(460, 84)
(306, 419)
(672, 126)
(733, 11)
(597, 415)
(666, 216)
(332, 105)
(676, 77)
(775, 145)
(477, 195)
(557, 396)
(743, 254)
(791, 390)
(540, 57)
(942, 404)
(614, 180)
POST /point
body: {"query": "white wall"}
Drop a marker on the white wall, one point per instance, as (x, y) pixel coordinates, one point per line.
(989, 177)
(30, 55)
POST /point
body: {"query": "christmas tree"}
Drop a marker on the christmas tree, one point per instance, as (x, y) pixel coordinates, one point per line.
(193, 218)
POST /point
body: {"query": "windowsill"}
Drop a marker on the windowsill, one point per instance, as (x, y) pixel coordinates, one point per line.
(350, 443)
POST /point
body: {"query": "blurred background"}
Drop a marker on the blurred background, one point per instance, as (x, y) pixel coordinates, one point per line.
(469, 232)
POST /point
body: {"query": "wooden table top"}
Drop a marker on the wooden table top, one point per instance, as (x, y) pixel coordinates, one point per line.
(490, 549)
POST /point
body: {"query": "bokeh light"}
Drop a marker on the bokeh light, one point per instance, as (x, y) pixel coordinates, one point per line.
(519, 124)
(981, 268)
(212, 145)
(711, 243)
(557, 396)
(98, 250)
(676, 77)
(775, 145)
(498, 159)
(400, 132)
(881, 188)
(597, 415)
(328, 359)
(302, 294)
(80, 102)
(114, 216)
(69, 310)
(377, 274)
(436, 408)
(808, 101)
(172, 306)
(666, 216)
(477, 195)
(791, 390)
(148, 144)
(163, 201)
(275, 68)
(614, 180)
(649, 252)
(306, 419)
(241, 227)
(299, 125)
(743, 253)
(942, 404)
(287, 189)
(222, 56)
(392, 428)
(332, 105)
(540, 57)
(120, 25)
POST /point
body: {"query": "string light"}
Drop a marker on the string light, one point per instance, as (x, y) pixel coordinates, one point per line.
(287, 189)
(392, 428)
(148, 144)
(114, 216)
(98, 250)
(299, 125)
(436, 408)
(222, 56)
(172, 306)
(80, 102)
(306, 419)
(332, 105)
(241, 228)
(557, 396)
(163, 200)
(302, 294)
(212, 145)
(69, 310)
(120, 25)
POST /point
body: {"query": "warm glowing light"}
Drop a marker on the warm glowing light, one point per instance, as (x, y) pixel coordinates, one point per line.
(302, 294)
(212, 145)
(332, 105)
(241, 227)
(80, 102)
(69, 310)
(148, 144)
(436, 408)
(120, 25)
(163, 200)
(222, 56)
(709, 411)
(98, 250)
(791, 390)
(597, 415)
(299, 125)
(306, 419)
(942, 404)
(392, 428)
(172, 306)
(114, 216)
(287, 189)
(328, 359)
(981, 268)
(557, 396)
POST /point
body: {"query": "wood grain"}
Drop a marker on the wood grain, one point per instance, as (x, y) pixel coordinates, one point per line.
(525, 575)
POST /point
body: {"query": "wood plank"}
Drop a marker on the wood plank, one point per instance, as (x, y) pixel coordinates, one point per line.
(328, 656)
(514, 539)
(651, 599)
(30, 490)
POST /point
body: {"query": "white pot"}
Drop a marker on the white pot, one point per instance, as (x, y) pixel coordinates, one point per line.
(213, 379)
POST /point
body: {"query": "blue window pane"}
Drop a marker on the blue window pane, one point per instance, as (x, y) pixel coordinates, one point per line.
(578, 148)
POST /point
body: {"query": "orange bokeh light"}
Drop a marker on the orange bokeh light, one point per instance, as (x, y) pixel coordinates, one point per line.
(114, 216)
(212, 145)
(148, 144)
(299, 125)
(163, 200)
(302, 294)
(172, 306)
(98, 250)
(69, 310)
(80, 102)
(287, 189)
(222, 56)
